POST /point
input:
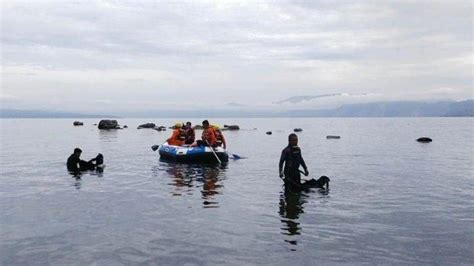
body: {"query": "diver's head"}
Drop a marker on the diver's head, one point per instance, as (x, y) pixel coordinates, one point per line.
(293, 140)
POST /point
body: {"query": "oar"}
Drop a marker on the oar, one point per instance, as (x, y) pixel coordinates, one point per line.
(213, 152)
(235, 156)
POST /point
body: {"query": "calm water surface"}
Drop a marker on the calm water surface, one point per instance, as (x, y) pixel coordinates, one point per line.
(392, 200)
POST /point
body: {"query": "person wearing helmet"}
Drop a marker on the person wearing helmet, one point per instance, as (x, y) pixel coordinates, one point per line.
(178, 136)
(220, 140)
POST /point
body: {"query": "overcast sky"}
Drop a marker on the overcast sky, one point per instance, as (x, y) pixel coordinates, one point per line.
(135, 55)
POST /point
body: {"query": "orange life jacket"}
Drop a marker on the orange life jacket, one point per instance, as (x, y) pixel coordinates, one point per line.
(175, 139)
(208, 135)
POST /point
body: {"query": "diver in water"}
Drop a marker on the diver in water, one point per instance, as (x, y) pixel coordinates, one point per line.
(291, 159)
(75, 164)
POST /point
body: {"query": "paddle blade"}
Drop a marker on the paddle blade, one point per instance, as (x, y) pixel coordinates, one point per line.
(236, 157)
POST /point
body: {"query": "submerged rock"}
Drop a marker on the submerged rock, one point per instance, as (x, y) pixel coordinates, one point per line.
(125, 126)
(424, 139)
(108, 124)
(147, 125)
(160, 128)
(268, 132)
(333, 137)
(298, 129)
(78, 123)
(231, 127)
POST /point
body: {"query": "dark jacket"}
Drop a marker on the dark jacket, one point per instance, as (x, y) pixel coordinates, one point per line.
(189, 135)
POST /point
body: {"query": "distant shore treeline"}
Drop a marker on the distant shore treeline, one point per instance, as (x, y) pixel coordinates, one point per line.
(376, 109)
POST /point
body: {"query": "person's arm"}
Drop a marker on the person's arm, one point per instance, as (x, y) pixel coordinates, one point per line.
(306, 172)
(223, 141)
(282, 161)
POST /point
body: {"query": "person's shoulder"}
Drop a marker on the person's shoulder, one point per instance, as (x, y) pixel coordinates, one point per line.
(286, 149)
(71, 158)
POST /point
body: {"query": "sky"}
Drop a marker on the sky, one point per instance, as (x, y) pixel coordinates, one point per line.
(143, 55)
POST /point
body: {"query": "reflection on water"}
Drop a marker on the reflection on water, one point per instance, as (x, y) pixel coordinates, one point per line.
(186, 178)
(99, 172)
(78, 182)
(386, 204)
(108, 135)
(290, 207)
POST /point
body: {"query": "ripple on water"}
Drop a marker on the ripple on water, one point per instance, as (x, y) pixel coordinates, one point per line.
(392, 200)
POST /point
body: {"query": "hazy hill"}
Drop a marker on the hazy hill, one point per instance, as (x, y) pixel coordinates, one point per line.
(375, 109)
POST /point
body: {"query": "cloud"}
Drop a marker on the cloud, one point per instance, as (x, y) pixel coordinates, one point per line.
(7, 96)
(191, 52)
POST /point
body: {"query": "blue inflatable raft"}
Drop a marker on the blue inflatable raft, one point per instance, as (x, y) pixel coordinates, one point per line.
(187, 154)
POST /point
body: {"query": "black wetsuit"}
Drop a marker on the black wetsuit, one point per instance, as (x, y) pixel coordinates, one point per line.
(75, 164)
(291, 157)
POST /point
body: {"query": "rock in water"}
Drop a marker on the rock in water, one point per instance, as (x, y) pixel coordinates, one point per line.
(333, 137)
(147, 125)
(268, 132)
(298, 129)
(108, 124)
(160, 128)
(78, 123)
(424, 139)
(231, 127)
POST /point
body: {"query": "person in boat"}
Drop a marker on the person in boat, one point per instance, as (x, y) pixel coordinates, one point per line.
(75, 164)
(290, 161)
(189, 133)
(208, 136)
(220, 140)
(178, 136)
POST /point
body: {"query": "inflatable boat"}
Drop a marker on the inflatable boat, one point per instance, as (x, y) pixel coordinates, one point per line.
(187, 154)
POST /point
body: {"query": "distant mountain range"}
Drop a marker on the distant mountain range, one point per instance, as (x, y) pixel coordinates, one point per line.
(374, 109)
(299, 99)
(394, 109)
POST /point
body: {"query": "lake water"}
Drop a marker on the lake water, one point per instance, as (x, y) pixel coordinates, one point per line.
(392, 200)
